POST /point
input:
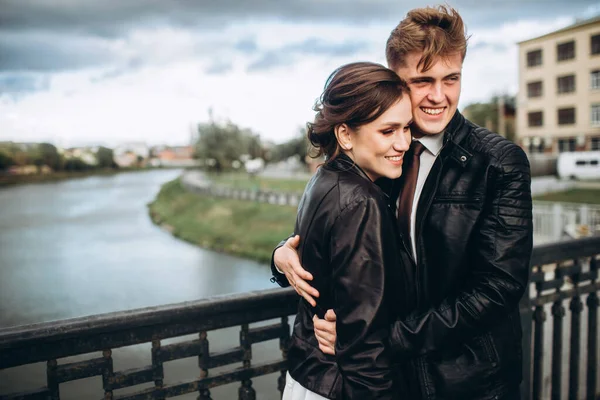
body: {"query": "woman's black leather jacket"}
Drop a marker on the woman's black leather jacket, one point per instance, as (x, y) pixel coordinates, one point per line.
(350, 246)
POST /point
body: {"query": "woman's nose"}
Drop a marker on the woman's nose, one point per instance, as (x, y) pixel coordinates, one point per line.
(403, 143)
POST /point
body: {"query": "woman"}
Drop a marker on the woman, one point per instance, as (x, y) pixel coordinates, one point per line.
(350, 238)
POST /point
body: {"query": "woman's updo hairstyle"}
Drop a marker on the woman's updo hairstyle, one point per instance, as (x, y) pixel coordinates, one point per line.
(355, 94)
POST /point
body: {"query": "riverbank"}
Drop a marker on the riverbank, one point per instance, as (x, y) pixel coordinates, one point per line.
(11, 180)
(246, 229)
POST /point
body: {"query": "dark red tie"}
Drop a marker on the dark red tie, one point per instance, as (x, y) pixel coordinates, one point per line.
(410, 170)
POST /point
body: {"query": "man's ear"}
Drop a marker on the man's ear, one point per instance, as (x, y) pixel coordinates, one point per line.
(342, 134)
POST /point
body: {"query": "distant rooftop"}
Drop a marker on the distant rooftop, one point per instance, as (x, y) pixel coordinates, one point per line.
(578, 23)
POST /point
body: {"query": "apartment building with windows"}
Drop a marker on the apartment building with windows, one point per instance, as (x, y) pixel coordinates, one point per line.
(558, 105)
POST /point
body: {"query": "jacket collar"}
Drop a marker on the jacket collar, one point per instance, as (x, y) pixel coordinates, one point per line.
(343, 163)
(454, 134)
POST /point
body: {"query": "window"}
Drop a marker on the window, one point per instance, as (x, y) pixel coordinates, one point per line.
(595, 143)
(565, 84)
(565, 51)
(586, 162)
(595, 79)
(595, 115)
(536, 118)
(595, 42)
(535, 146)
(534, 89)
(534, 58)
(566, 116)
(566, 144)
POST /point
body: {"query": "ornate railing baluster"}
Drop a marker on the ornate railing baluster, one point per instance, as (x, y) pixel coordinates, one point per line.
(157, 366)
(592, 339)
(52, 378)
(246, 391)
(203, 362)
(107, 374)
(558, 313)
(539, 317)
(284, 344)
(576, 306)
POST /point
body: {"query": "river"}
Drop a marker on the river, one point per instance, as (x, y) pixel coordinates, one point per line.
(87, 246)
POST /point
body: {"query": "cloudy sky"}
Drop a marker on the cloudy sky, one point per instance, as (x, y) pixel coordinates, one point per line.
(76, 72)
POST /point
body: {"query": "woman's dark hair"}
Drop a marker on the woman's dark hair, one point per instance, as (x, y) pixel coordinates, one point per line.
(355, 94)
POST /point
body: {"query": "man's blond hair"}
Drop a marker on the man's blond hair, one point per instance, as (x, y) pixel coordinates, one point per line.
(433, 31)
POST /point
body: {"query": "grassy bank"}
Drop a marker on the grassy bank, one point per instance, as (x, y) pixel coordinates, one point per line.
(587, 196)
(244, 181)
(242, 228)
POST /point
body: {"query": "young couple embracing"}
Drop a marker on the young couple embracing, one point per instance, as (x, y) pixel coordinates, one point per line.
(412, 243)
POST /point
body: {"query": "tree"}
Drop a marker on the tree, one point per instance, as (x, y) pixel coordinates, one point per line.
(76, 164)
(47, 154)
(5, 161)
(221, 144)
(105, 157)
(297, 146)
(488, 114)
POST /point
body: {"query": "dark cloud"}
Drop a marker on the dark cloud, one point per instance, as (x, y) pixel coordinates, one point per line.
(128, 67)
(219, 67)
(499, 47)
(270, 60)
(38, 51)
(287, 55)
(20, 83)
(50, 35)
(247, 46)
(319, 46)
(112, 17)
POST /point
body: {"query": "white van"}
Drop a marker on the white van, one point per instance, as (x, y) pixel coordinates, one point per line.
(579, 165)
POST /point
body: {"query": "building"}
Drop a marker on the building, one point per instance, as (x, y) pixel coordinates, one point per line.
(558, 105)
(173, 156)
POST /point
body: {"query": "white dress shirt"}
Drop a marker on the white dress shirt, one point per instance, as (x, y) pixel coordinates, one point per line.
(433, 144)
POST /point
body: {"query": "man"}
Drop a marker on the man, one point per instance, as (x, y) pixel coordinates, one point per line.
(465, 210)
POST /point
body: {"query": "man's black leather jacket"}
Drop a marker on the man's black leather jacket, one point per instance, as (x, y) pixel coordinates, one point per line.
(474, 242)
(350, 245)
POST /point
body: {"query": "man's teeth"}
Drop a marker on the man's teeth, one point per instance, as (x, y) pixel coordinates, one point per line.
(395, 158)
(432, 111)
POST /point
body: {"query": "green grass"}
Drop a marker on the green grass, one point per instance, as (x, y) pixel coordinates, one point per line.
(245, 181)
(588, 196)
(242, 228)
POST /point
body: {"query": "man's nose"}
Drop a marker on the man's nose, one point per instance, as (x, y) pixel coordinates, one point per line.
(436, 93)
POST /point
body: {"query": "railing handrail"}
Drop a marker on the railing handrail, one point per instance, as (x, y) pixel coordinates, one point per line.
(566, 204)
(568, 249)
(211, 313)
